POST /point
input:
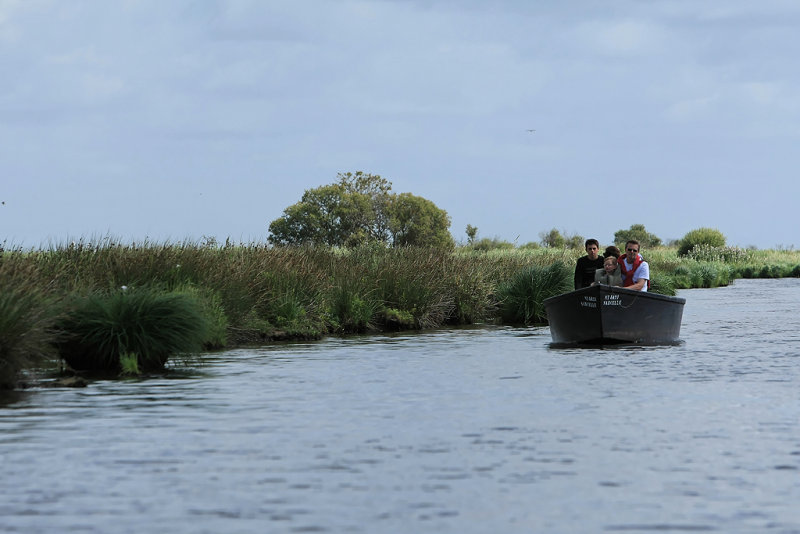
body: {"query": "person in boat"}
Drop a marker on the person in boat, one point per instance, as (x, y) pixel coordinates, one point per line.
(611, 250)
(587, 265)
(635, 271)
(610, 274)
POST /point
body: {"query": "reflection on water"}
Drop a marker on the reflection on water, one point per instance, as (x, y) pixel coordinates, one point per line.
(463, 430)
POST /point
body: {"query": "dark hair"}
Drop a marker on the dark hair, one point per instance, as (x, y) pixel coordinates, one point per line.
(612, 251)
(632, 242)
(591, 242)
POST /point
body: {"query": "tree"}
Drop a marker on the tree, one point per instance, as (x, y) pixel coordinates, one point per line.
(358, 209)
(637, 232)
(472, 232)
(554, 239)
(417, 221)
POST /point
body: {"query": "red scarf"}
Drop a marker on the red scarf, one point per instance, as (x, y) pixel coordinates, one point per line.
(627, 275)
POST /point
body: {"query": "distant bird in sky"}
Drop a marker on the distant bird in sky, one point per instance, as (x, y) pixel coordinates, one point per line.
(530, 131)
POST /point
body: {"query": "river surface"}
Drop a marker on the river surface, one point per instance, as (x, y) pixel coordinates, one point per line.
(469, 430)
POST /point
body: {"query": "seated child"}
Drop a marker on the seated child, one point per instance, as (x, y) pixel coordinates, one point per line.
(610, 274)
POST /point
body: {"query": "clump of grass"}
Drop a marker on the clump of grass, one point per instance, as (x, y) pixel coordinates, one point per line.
(521, 297)
(663, 283)
(210, 304)
(398, 319)
(351, 310)
(410, 280)
(102, 327)
(26, 334)
(129, 364)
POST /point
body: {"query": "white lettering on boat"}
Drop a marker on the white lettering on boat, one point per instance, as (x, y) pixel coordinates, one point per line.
(612, 300)
(588, 302)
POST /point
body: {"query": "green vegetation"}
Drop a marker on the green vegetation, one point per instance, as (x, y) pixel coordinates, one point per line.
(360, 209)
(708, 237)
(638, 233)
(130, 329)
(67, 302)
(554, 239)
(522, 295)
(26, 316)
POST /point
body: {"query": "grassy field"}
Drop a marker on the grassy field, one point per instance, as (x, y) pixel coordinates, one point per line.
(100, 298)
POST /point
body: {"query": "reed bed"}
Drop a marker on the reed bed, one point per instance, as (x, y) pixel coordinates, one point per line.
(252, 293)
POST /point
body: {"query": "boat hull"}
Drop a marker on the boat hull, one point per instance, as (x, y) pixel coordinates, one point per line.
(607, 314)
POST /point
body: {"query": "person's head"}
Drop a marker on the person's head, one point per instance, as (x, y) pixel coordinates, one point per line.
(610, 264)
(592, 248)
(632, 249)
(611, 251)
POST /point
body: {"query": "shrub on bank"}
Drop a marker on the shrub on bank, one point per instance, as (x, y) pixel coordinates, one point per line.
(102, 330)
(522, 295)
(709, 237)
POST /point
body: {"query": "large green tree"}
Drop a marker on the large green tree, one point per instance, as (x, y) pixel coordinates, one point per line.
(415, 220)
(637, 232)
(357, 209)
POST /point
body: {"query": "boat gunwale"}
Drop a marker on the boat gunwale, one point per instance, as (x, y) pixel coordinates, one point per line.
(603, 288)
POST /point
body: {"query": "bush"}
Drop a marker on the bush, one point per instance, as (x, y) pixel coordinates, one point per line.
(101, 329)
(702, 236)
(521, 297)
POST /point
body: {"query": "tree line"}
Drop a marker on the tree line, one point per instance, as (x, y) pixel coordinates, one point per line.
(360, 208)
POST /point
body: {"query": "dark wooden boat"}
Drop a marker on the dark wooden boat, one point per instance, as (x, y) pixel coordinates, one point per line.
(608, 314)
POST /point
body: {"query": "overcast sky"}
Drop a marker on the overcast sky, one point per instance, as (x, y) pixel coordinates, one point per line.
(175, 120)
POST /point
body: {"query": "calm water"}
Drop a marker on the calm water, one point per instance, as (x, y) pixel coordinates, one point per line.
(465, 431)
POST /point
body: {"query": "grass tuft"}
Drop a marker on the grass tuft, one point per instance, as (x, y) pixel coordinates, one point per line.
(101, 327)
(522, 296)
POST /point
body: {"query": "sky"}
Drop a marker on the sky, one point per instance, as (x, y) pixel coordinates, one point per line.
(186, 120)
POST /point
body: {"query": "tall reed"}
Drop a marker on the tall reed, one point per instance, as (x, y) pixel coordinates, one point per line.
(522, 297)
(28, 311)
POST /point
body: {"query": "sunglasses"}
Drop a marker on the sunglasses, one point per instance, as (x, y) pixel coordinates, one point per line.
(633, 250)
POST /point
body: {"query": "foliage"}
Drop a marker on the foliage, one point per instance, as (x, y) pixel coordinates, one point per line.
(521, 297)
(26, 335)
(254, 293)
(352, 309)
(358, 209)
(210, 303)
(709, 237)
(554, 239)
(472, 232)
(101, 327)
(705, 252)
(415, 285)
(663, 283)
(416, 221)
(639, 233)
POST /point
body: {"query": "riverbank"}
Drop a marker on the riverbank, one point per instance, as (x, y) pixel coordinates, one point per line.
(250, 294)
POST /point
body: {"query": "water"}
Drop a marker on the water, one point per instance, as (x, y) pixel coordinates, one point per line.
(475, 430)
